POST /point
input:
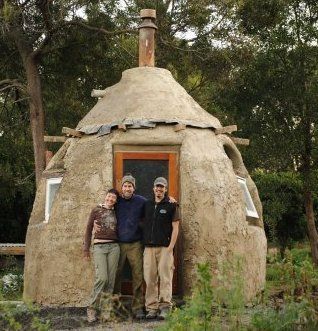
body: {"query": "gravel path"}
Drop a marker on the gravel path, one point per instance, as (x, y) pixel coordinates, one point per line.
(63, 318)
(123, 326)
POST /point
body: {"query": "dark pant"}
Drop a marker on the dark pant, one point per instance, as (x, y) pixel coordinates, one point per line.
(134, 253)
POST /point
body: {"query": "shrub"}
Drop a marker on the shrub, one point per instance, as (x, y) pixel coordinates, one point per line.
(11, 279)
(210, 307)
(22, 317)
(11, 285)
(292, 316)
(281, 194)
(294, 307)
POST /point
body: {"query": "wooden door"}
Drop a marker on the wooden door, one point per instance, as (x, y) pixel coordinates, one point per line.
(146, 166)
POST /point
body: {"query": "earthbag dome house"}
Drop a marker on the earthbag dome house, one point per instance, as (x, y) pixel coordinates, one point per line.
(149, 126)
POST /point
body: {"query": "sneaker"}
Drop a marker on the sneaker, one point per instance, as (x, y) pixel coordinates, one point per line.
(91, 315)
(151, 314)
(139, 314)
(163, 313)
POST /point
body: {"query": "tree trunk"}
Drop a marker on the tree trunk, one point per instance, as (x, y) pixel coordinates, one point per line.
(312, 231)
(36, 114)
(30, 64)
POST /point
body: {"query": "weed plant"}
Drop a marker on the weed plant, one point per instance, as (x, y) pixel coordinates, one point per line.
(289, 302)
(210, 307)
(22, 317)
(295, 276)
(11, 279)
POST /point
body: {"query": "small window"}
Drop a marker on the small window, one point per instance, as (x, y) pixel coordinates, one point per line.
(52, 185)
(250, 208)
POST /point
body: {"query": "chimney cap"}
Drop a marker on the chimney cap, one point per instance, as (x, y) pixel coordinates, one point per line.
(148, 13)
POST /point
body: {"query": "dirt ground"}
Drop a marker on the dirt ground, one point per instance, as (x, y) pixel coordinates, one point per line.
(67, 319)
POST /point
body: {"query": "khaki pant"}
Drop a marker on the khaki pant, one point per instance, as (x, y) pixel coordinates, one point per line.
(158, 266)
(133, 253)
(106, 258)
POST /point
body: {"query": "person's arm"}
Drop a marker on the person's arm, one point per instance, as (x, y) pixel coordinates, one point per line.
(174, 235)
(97, 227)
(88, 235)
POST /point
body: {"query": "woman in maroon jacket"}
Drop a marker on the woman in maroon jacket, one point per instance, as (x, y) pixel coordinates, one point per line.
(106, 250)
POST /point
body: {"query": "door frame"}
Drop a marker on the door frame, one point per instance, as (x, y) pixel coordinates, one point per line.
(119, 158)
(171, 154)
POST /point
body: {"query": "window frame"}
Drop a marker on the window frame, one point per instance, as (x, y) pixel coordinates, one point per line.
(49, 183)
(249, 212)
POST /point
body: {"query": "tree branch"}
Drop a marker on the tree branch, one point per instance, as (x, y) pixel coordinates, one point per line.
(42, 48)
(102, 30)
(11, 83)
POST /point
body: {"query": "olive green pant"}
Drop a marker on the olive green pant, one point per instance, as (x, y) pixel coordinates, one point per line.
(106, 258)
(133, 252)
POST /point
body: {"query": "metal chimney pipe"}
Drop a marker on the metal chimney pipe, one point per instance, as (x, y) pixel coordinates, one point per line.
(147, 30)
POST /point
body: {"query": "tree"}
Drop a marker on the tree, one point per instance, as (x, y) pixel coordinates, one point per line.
(34, 29)
(283, 210)
(275, 95)
(54, 52)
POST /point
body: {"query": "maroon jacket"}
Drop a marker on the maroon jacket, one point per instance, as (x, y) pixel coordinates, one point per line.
(107, 219)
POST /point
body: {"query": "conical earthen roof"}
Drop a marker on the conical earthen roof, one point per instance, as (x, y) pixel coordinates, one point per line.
(147, 93)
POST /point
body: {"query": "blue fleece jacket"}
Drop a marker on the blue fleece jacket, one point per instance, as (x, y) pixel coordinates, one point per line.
(129, 213)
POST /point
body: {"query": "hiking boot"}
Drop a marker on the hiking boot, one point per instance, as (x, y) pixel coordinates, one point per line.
(164, 313)
(151, 314)
(139, 314)
(91, 315)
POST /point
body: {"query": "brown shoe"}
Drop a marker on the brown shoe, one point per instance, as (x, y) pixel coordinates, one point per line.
(91, 315)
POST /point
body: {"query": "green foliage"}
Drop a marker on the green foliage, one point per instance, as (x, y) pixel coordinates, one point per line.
(291, 317)
(11, 285)
(283, 211)
(11, 316)
(295, 274)
(11, 279)
(258, 15)
(211, 306)
(288, 304)
(196, 315)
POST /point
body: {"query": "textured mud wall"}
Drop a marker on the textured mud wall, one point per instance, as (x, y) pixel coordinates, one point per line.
(147, 93)
(55, 272)
(213, 214)
(213, 211)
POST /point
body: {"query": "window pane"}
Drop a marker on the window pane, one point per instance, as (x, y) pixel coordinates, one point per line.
(145, 172)
(250, 208)
(53, 189)
(52, 186)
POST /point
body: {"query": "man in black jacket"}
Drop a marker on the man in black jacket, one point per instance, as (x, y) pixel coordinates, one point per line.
(160, 232)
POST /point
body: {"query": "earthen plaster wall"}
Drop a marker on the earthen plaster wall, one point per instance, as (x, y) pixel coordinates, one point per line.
(214, 223)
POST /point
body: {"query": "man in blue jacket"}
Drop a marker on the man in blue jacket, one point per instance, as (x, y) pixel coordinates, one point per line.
(129, 212)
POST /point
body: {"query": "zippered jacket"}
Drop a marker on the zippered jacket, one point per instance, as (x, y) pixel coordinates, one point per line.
(129, 214)
(157, 225)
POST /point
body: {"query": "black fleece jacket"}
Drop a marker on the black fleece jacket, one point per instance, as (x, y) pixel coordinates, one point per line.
(157, 225)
